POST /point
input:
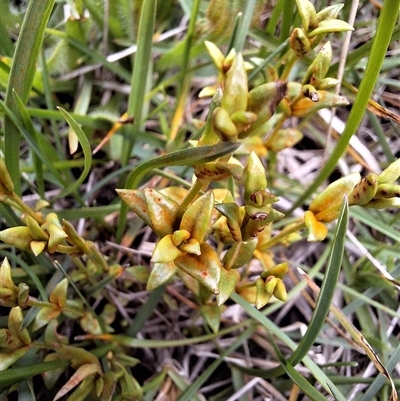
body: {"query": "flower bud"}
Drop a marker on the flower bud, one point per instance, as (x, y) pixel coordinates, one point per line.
(364, 191)
(299, 42)
(331, 197)
(235, 89)
(262, 295)
(330, 12)
(307, 13)
(280, 291)
(317, 231)
(276, 271)
(6, 183)
(8, 290)
(383, 203)
(215, 54)
(320, 66)
(224, 126)
(254, 177)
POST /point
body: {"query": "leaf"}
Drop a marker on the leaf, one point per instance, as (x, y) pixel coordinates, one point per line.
(206, 268)
(212, 315)
(160, 274)
(229, 279)
(197, 217)
(81, 373)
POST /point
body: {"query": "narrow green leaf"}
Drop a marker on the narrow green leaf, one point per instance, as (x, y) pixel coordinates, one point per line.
(22, 73)
(31, 129)
(43, 156)
(244, 25)
(364, 216)
(7, 47)
(380, 380)
(327, 288)
(140, 74)
(302, 382)
(14, 375)
(190, 392)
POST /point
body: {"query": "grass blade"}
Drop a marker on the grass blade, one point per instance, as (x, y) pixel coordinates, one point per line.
(327, 288)
(21, 77)
(140, 74)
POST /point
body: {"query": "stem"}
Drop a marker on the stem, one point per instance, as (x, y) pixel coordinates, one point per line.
(198, 186)
(291, 60)
(284, 233)
(24, 207)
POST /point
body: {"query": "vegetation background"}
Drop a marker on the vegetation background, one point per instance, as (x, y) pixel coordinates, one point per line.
(84, 327)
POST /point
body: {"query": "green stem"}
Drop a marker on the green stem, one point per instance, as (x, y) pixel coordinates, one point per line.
(24, 207)
(198, 186)
(283, 234)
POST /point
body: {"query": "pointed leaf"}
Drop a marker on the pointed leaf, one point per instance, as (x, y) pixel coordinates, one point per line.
(329, 26)
(229, 279)
(81, 373)
(332, 195)
(197, 217)
(160, 274)
(212, 315)
(59, 295)
(161, 211)
(206, 268)
(239, 254)
(317, 231)
(166, 251)
(306, 106)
